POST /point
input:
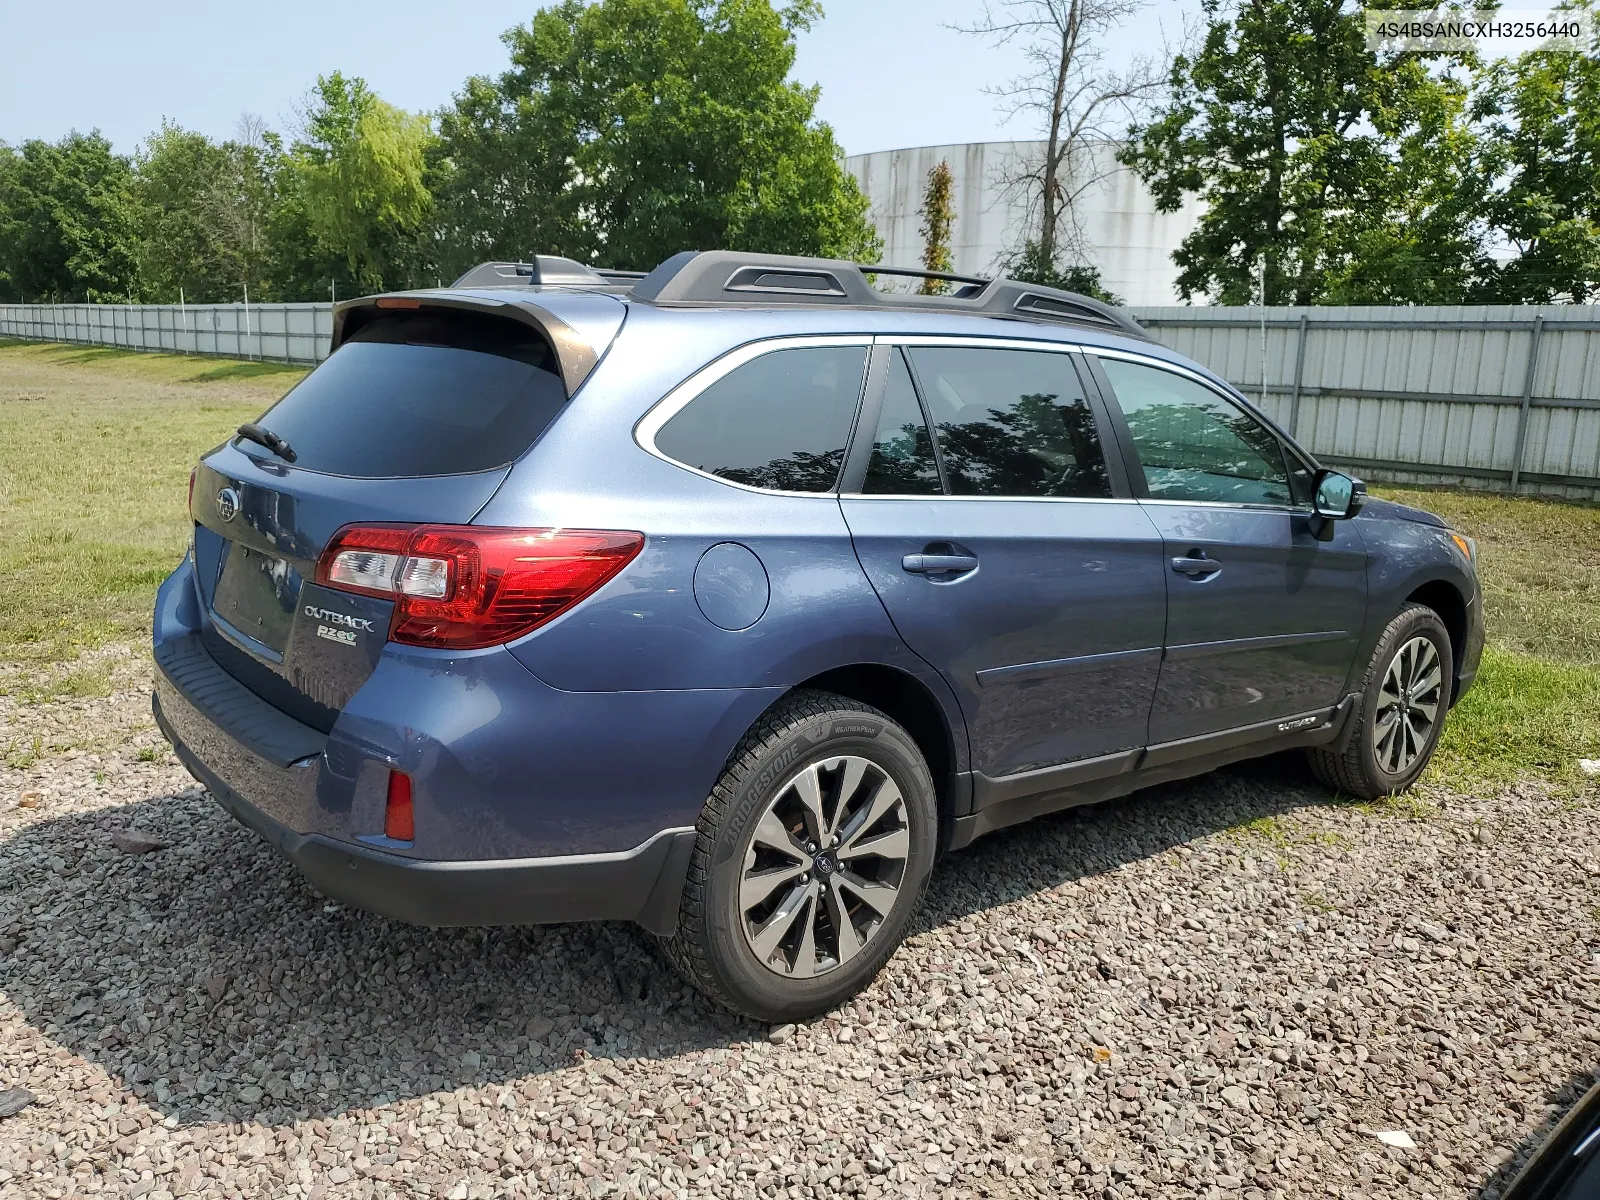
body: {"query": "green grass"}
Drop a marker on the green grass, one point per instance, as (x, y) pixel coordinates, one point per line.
(1526, 716)
(1539, 562)
(95, 450)
(1535, 710)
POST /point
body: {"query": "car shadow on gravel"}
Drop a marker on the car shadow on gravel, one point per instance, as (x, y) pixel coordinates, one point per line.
(1560, 1099)
(217, 985)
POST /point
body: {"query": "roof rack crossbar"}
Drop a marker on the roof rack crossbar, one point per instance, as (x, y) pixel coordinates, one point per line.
(723, 278)
(545, 270)
(731, 278)
(919, 273)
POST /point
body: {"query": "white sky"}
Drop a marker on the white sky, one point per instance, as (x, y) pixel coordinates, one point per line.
(891, 73)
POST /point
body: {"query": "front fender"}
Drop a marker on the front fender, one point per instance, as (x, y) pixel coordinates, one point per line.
(1408, 560)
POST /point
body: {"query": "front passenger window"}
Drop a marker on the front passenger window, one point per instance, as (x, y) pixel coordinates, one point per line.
(1195, 445)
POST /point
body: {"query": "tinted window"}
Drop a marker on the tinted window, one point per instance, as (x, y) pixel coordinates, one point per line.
(1192, 443)
(1011, 422)
(421, 394)
(779, 421)
(902, 460)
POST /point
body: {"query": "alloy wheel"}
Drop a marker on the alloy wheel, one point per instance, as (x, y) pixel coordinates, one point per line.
(1408, 706)
(824, 867)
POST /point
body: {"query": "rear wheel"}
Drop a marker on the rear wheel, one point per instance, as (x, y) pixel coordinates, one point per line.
(1400, 714)
(812, 853)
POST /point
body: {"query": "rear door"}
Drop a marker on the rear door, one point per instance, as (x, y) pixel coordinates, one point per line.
(1004, 554)
(415, 418)
(1263, 616)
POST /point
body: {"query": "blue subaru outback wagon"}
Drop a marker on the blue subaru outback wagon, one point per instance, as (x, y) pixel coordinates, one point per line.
(724, 599)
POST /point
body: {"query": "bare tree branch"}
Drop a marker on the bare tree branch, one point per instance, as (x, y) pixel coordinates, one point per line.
(1075, 101)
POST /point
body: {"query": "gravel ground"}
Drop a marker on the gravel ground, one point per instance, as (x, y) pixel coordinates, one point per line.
(1220, 988)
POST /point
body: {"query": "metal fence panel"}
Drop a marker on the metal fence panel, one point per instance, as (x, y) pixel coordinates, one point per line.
(295, 333)
(1496, 396)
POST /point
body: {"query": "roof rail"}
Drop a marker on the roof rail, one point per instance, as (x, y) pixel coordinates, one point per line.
(720, 278)
(545, 270)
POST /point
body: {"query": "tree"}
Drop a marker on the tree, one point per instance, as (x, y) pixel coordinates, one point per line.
(938, 216)
(1541, 113)
(360, 167)
(628, 130)
(1356, 179)
(184, 250)
(66, 221)
(502, 175)
(1080, 105)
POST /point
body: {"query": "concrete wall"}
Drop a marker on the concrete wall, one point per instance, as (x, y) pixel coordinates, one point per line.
(1130, 241)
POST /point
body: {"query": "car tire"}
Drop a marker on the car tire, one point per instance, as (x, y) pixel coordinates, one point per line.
(1400, 711)
(817, 768)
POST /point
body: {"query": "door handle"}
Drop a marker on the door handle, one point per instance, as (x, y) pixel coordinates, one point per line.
(938, 564)
(1196, 567)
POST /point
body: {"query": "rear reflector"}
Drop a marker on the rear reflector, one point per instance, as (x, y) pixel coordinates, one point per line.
(463, 587)
(398, 821)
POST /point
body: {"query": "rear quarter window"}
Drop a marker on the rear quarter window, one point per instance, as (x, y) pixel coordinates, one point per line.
(422, 393)
(779, 421)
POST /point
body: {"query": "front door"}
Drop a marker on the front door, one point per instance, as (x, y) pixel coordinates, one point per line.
(1003, 556)
(1263, 617)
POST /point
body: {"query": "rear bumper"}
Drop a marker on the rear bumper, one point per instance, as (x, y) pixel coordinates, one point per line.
(250, 755)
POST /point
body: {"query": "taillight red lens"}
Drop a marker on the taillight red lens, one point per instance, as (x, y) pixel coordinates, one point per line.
(192, 472)
(399, 822)
(463, 587)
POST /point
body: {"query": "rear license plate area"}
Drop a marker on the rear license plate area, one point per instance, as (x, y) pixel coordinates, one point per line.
(256, 596)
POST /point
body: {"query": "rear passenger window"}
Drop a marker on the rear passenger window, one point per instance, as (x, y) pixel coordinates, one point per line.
(1011, 422)
(780, 421)
(902, 462)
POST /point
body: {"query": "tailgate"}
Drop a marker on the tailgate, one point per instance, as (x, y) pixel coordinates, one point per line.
(415, 418)
(304, 648)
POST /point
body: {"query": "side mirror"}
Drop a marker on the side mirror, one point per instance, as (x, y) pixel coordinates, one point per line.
(1338, 496)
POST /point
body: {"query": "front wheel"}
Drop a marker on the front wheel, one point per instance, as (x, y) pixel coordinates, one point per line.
(1400, 714)
(811, 855)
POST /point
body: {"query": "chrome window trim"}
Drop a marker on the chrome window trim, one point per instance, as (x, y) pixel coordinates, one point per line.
(980, 343)
(680, 397)
(1235, 504)
(991, 499)
(1144, 360)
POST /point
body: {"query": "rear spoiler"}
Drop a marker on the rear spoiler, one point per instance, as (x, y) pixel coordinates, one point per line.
(575, 357)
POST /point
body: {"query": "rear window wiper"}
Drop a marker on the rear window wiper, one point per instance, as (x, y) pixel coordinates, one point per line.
(263, 436)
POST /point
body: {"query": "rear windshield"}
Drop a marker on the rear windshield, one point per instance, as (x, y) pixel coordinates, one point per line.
(423, 393)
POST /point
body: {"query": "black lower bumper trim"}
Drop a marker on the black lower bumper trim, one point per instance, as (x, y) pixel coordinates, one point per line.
(644, 884)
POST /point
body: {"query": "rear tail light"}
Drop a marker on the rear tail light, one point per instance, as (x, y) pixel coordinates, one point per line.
(192, 472)
(399, 822)
(463, 587)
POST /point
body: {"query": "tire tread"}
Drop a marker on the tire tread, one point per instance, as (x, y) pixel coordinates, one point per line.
(686, 947)
(1341, 765)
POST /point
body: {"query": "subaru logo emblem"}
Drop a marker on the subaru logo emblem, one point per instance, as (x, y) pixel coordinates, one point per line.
(227, 504)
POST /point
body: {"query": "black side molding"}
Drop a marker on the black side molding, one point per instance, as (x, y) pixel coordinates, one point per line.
(1010, 799)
